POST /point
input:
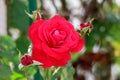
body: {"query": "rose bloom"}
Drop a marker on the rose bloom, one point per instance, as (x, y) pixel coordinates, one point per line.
(53, 41)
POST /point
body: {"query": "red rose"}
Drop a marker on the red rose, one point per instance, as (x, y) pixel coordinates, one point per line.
(26, 60)
(53, 40)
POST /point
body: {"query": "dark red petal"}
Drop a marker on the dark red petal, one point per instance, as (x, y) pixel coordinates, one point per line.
(84, 25)
(26, 60)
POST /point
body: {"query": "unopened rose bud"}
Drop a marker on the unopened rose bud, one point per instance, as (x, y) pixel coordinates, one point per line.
(86, 27)
(26, 60)
(36, 15)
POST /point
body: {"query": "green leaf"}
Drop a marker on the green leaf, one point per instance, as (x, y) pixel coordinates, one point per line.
(22, 44)
(7, 42)
(5, 72)
(16, 15)
(6, 46)
(17, 76)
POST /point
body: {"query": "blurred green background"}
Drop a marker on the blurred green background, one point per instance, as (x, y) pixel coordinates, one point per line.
(101, 55)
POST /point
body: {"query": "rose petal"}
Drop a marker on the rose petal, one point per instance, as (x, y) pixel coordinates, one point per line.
(78, 46)
(41, 56)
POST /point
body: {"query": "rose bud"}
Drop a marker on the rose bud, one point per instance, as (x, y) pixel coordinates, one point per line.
(36, 16)
(26, 60)
(86, 27)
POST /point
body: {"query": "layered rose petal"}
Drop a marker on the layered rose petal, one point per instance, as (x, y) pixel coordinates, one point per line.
(61, 62)
(33, 32)
(78, 43)
(41, 56)
(78, 46)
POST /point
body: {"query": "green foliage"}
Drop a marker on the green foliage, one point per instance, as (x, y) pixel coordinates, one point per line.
(118, 60)
(57, 73)
(22, 44)
(75, 56)
(7, 43)
(17, 76)
(5, 72)
(16, 15)
(6, 46)
(67, 72)
(115, 32)
(9, 60)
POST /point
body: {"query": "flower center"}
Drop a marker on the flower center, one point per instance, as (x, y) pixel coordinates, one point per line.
(58, 37)
(56, 32)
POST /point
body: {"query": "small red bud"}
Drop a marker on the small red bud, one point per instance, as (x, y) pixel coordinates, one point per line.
(84, 25)
(26, 60)
(38, 16)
